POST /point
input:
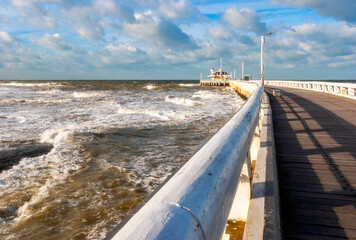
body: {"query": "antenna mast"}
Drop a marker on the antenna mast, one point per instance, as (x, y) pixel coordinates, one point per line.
(221, 78)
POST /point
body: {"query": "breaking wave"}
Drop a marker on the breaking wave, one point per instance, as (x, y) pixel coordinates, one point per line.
(87, 94)
(188, 84)
(182, 101)
(29, 84)
(150, 87)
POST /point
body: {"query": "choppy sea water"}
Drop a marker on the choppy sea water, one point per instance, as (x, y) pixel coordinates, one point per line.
(77, 156)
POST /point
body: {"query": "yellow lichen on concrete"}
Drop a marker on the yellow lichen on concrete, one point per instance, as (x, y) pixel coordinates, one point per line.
(234, 229)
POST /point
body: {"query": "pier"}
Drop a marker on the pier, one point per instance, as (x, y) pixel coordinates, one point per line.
(283, 166)
(315, 137)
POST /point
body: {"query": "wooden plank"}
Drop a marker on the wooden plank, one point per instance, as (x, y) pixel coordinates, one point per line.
(316, 200)
(321, 230)
(346, 218)
(324, 207)
(322, 221)
(346, 161)
(315, 186)
(298, 236)
(320, 166)
(314, 174)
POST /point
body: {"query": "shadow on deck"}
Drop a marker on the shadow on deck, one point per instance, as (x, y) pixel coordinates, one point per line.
(315, 136)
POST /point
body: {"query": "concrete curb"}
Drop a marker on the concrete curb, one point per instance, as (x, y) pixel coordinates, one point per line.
(263, 220)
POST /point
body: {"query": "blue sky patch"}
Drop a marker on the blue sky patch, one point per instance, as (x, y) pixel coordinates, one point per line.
(102, 39)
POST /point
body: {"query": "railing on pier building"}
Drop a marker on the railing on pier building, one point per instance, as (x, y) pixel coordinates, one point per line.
(210, 82)
(215, 184)
(337, 88)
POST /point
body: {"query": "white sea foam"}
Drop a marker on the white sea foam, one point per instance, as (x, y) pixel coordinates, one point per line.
(182, 101)
(54, 135)
(25, 211)
(58, 163)
(42, 100)
(150, 87)
(23, 84)
(87, 94)
(51, 91)
(205, 94)
(188, 84)
(38, 177)
(156, 114)
(17, 118)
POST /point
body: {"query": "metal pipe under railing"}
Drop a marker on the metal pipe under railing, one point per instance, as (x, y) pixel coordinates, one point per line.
(196, 201)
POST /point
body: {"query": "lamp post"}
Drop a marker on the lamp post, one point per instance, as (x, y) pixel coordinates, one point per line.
(262, 51)
(242, 68)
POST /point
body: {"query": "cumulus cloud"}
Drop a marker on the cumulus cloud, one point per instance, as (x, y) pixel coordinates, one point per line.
(342, 34)
(32, 7)
(342, 10)
(172, 9)
(244, 19)
(312, 45)
(110, 8)
(158, 31)
(123, 54)
(5, 37)
(211, 51)
(6, 40)
(177, 8)
(126, 14)
(86, 23)
(220, 33)
(14, 56)
(42, 22)
(106, 7)
(53, 41)
(227, 35)
(35, 12)
(90, 20)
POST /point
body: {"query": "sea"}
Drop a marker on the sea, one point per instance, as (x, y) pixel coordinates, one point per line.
(77, 156)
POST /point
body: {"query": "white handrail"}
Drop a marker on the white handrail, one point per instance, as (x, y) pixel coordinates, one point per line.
(341, 89)
(196, 201)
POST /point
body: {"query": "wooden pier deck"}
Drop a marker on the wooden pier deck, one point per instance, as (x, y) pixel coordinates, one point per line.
(315, 136)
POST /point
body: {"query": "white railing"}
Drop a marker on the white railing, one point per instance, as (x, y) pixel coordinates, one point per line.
(341, 89)
(210, 82)
(195, 202)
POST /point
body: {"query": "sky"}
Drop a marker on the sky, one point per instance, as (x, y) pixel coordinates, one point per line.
(176, 39)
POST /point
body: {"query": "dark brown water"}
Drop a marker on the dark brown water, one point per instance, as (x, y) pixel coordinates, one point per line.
(77, 156)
